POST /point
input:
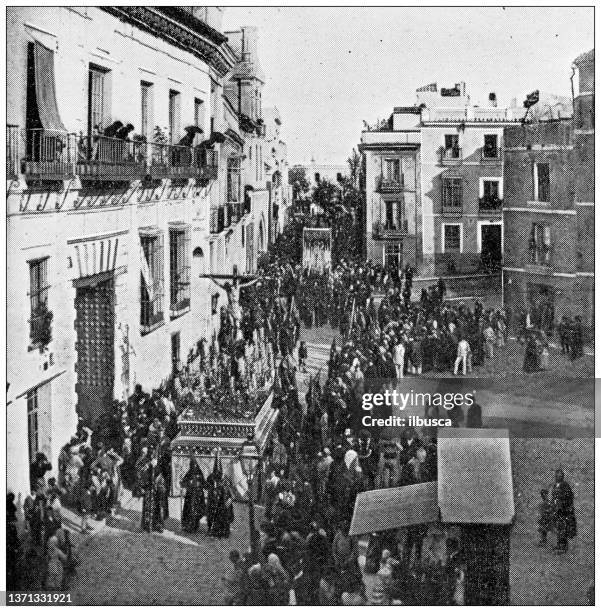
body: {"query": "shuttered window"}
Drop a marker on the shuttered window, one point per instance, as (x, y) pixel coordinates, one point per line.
(179, 269)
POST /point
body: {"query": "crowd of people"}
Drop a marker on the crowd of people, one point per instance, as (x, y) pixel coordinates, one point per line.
(319, 457)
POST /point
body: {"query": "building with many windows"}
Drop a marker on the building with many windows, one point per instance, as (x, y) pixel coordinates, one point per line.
(129, 176)
(549, 211)
(434, 184)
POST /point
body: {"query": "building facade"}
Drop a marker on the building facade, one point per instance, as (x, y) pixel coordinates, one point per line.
(128, 179)
(434, 184)
(276, 172)
(549, 212)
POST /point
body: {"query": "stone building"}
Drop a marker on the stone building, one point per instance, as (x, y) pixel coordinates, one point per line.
(434, 184)
(128, 177)
(549, 211)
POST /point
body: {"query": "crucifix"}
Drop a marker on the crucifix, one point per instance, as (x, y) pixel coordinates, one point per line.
(232, 290)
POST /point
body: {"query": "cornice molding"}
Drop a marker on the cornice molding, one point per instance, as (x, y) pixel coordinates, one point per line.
(191, 35)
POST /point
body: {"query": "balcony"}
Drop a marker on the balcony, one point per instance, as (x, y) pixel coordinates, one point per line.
(173, 162)
(110, 159)
(490, 155)
(389, 185)
(209, 164)
(49, 155)
(389, 231)
(217, 220)
(12, 152)
(490, 205)
(449, 157)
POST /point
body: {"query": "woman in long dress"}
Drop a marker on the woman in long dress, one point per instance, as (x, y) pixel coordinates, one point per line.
(194, 500)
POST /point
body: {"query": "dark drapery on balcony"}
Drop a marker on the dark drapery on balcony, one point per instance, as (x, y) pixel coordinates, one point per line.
(45, 88)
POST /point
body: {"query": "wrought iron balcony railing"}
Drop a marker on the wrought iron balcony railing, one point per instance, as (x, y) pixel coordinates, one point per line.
(453, 155)
(490, 204)
(48, 154)
(12, 152)
(387, 231)
(389, 185)
(104, 158)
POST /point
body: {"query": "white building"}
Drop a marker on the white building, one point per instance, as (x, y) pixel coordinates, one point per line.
(434, 184)
(121, 146)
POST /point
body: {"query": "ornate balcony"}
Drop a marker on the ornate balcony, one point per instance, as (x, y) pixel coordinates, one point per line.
(49, 155)
(387, 231)
(110, 159)
(449, 157)
(388, 185)
(12, 151)
(173, 162)
(490, 205)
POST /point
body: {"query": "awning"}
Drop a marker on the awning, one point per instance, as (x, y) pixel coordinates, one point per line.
(45, 88)
(475, 484)
(384, 509)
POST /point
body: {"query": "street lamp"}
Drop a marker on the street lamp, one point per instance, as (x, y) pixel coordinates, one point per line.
(250, 461)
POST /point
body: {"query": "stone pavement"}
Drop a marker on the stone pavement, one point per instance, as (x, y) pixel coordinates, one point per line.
(122, 565)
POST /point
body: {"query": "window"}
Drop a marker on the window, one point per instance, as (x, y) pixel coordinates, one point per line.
(146, 110)
(40, 330)
(214, 303)
(151, 281)
(199, 113)
(393, 254)
(174, 116)
(490, 189)
(491, 146)
(451, 146)
(179, 269)
(242, 234)
(233, 179)
(540, 244)
(394, 215)
(452, 195)
(97, 100)
(33, 431)
(451, 238)
(392, 170)
(542, 187)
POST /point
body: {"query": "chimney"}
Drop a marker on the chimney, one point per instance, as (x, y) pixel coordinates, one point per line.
(492, 99)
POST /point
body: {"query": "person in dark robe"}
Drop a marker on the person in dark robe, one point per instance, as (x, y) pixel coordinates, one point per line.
(562, 501)
(194, 500)
(531, 359)
(221, 509)
(161, 507)
(219, 502)
(150, 499)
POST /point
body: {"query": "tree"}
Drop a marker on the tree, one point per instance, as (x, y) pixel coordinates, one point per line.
(297, 177)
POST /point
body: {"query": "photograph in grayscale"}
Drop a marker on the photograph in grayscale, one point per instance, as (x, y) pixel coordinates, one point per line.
(300, 306)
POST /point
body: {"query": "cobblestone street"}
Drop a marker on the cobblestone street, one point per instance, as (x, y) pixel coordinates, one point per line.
(120, 563)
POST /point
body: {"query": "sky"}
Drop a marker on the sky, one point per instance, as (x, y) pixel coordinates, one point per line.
(328, 69)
